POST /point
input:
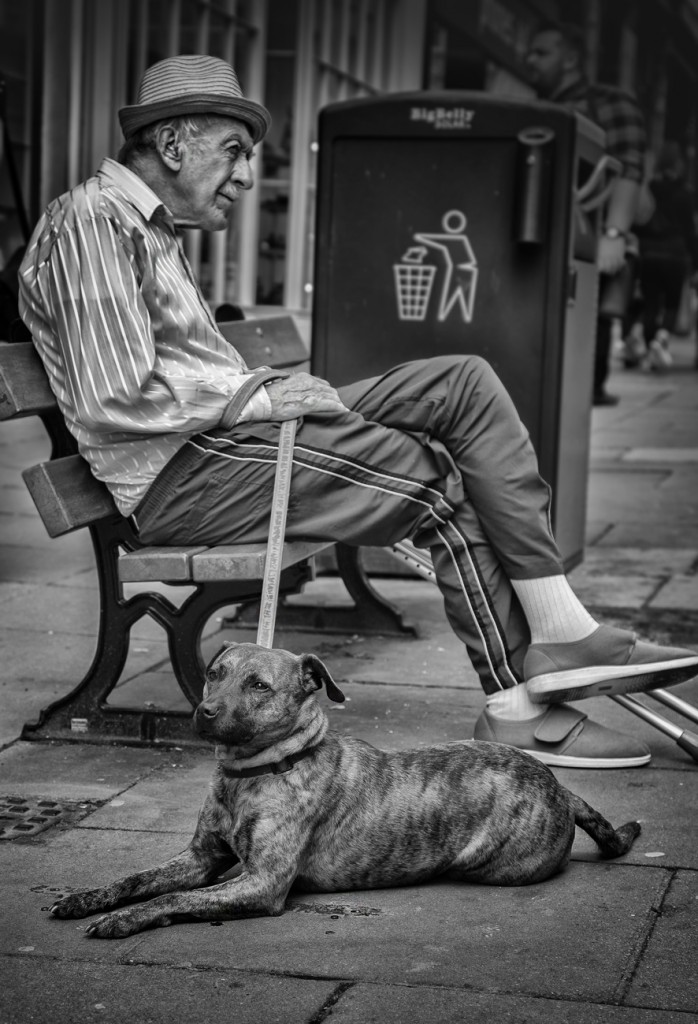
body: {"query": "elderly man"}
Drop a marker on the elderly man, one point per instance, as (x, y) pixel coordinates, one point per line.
(555, 58)
(185, 436)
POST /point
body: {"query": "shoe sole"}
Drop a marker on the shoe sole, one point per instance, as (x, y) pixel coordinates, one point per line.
(606, 680)
(569, 761)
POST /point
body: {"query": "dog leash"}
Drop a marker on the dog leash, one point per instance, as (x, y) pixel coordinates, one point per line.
(277, 530)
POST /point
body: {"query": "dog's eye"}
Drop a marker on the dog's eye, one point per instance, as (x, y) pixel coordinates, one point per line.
(259, 686)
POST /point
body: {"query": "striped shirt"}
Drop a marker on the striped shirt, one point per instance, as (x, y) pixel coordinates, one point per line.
(131, 349)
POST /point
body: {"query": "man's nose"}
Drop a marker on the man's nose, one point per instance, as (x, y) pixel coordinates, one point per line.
(242, 173)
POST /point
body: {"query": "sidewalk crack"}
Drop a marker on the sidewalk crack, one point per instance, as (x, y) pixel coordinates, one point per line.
(326, 1009)
(638, 951)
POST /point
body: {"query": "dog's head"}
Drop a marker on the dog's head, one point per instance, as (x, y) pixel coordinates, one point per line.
(252, 695)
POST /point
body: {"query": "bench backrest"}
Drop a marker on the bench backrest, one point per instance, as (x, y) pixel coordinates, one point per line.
(64, 491)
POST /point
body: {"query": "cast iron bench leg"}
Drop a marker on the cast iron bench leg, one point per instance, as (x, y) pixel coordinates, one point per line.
(85, 710)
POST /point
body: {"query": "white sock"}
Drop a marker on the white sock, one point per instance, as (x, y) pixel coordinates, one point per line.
(513, 704)
(553, 611)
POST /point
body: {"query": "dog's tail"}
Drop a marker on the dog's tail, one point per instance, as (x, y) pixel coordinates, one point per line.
(613, 842)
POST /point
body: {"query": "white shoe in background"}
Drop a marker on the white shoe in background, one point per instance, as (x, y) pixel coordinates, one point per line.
(659, 357)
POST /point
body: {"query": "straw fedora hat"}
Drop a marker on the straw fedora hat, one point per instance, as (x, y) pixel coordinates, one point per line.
(192, 84)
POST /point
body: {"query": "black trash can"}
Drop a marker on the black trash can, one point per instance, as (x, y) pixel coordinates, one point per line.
(447, 223)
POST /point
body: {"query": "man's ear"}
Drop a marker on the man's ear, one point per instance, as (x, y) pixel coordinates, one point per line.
(169, 147)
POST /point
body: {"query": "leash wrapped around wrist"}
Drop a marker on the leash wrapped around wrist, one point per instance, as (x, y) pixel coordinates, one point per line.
(252, 384)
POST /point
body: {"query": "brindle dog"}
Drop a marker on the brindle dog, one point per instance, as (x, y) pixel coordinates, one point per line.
(295, 805)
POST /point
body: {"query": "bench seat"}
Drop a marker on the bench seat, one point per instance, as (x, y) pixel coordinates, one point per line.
(207, 564)
(69, 498)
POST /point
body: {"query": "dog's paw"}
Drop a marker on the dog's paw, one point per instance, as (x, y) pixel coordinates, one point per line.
(79, 904)
(116, 925)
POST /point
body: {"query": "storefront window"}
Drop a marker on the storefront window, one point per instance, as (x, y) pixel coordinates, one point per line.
(274, 172)
(15, 140)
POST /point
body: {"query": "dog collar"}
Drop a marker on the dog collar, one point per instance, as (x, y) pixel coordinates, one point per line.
(274, 768)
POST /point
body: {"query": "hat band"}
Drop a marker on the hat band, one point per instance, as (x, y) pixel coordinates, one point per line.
(141, 114)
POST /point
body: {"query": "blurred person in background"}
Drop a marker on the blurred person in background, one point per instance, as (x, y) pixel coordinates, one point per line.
(556, 60)
(667, 254)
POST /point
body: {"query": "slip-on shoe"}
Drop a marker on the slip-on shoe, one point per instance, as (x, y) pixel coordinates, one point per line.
(564, 737)
(608, 661)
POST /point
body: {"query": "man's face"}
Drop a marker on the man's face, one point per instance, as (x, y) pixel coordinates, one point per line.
(215, 169)
(546, 59)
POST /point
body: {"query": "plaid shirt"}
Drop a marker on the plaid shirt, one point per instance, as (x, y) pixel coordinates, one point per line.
(620, 117)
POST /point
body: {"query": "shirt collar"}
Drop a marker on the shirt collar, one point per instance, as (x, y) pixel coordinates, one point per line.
(118, 176)
(575, 90)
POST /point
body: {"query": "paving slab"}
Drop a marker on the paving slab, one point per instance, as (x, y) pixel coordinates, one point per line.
(76, 771)
(35, 874)
(71, 564)
(671, 952)
(86, 993)
(63, 609)
(679, 530)
(626, 494)
(654, 563)
(584, 927)
(615, 591)
(165, 801)
(148, 689)
(662, 802)
(62, 861)
(678, 592)
(397, 1004)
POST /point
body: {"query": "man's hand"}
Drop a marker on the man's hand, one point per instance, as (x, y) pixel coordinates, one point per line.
(300, 394)
(611, 255)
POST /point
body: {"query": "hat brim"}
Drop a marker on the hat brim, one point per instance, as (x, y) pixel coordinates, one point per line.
(254, 115)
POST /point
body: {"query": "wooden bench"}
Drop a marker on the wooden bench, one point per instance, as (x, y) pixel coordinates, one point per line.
(69, 498)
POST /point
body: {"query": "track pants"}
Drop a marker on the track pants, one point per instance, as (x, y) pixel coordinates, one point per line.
(433, 450)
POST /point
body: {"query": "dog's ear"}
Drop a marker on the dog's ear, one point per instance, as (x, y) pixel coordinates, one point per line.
(314, 674)
(225, 647)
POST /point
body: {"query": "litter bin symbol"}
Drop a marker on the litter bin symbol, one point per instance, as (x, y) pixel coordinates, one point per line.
(453, 256)
(413, 283)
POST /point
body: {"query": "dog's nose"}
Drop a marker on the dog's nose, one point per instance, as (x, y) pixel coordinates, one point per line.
(207, 710)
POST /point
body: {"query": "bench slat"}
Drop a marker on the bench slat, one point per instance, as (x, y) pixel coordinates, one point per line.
(246, 561)
(270, 342)
(157, 563)
(24, 387)
(67, 496)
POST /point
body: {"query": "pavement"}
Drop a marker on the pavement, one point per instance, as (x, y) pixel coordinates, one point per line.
(613, 942)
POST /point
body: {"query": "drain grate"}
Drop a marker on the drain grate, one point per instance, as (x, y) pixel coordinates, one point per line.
(20, 817)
